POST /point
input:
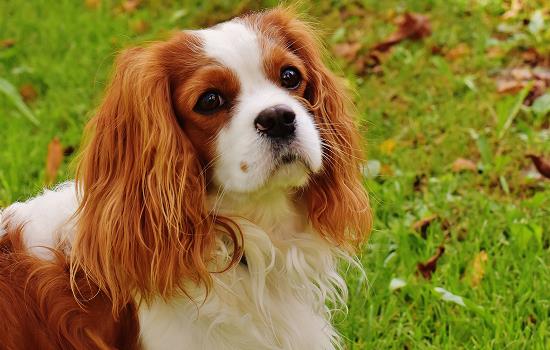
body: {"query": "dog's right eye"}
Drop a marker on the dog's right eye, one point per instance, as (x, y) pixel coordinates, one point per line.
(209, 103)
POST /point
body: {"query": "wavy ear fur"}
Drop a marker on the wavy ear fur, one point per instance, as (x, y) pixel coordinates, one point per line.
(337, 201)
(143, 226)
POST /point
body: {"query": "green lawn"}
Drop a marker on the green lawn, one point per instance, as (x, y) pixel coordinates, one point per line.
(429, 102)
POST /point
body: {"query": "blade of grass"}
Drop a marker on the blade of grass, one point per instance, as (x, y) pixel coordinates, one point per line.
(11, 92)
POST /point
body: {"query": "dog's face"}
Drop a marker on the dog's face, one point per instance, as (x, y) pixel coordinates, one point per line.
(242, 106)
(245, 108)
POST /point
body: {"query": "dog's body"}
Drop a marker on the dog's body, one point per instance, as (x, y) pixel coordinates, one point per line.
(149, 239)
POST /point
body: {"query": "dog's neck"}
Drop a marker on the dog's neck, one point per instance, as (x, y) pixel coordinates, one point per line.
(276, 210)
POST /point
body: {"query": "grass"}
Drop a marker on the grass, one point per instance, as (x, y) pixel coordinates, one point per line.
(422, 109)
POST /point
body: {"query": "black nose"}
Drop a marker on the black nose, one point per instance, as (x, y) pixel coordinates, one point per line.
(276, 121)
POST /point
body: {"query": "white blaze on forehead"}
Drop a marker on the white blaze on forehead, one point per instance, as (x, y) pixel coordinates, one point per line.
(235, 45)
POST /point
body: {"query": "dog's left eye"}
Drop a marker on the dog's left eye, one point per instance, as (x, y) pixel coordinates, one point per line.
(209, 102)
(290, 78)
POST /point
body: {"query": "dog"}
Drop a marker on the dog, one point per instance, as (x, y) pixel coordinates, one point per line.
(218, 187)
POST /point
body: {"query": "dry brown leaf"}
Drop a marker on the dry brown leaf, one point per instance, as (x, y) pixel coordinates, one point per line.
(515, 8)
(386, 170)
(388, 146)
(458, 51)
(542, 165)
(140, 26)
(28, 93)
(92, 4)
(422, 224)
(7, 43)
(426, 269)
(347, 51)
(461, 164)
(54, 159)
(478, 268)
(412, 26)
(511, 81)
(509, 86)
(130, 5)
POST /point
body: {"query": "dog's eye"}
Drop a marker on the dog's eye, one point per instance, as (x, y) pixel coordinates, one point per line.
(290, 78)
(209, 102)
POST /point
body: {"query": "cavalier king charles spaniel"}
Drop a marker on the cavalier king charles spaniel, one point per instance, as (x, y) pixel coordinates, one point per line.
(217, 190)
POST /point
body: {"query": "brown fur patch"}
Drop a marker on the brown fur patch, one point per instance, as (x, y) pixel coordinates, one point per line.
(39, 311)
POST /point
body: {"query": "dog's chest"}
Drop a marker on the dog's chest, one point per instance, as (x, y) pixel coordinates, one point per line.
(275, 301)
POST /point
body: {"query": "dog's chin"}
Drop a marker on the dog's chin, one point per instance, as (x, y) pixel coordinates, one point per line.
(290, 172)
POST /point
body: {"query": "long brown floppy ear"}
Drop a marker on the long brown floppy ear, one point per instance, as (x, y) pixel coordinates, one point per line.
(337, 201)
(143, 226)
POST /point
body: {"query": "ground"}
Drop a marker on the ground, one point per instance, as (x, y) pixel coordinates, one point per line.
(448, 175)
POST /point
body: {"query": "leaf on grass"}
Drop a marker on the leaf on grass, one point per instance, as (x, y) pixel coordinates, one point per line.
(53, 160)
(347, 50)
(477, 269)
(542, 164)
(426, 269)
(515, 8)
(397, 283)
(422, 224)
(28, 93)
(450, 297)
(9, 90)
(535, 80)
(140, 26)
(7, 43)
(458, 51)
(388, 146)
(130, 5)
(412, 26)
(462, 164)
(541, 105)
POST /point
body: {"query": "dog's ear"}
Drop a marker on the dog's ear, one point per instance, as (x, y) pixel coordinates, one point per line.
(337, 201)
(143, 226)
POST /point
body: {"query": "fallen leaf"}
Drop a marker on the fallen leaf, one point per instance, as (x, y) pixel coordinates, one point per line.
(422, 224)
(515, 8)
(7, 43)
(458, 51)
(450, 297)
(541, 106)
(412, 26)
(514, 80)
(386, 170)
(140, 26)
(542, 164)
(509, 86)
(92, 4)
(426, 269)
(387, 147)
(478, 268)
(347, 50)
(53, 160)
(130, 5)
(28, 93)
(461, 164)
(397, 283)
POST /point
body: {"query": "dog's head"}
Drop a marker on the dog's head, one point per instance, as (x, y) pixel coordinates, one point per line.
(245, 106)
